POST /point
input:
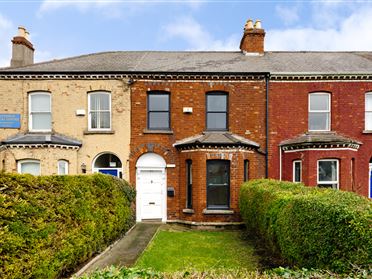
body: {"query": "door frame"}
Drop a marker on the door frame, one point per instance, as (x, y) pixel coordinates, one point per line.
(139, 193)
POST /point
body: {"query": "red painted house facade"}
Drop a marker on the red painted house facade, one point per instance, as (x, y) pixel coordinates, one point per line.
(322, 136)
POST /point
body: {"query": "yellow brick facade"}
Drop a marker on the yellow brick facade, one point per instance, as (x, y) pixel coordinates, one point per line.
(67, 96)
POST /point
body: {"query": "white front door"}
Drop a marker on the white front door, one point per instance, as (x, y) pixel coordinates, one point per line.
(151, 194)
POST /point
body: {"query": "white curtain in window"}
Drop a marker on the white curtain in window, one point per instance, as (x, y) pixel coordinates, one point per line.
(30, 167)
(41, 112)
(368, 111)
(100, 111)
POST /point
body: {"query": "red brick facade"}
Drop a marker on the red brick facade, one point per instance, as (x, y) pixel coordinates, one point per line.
(289, 118)
(246, 113)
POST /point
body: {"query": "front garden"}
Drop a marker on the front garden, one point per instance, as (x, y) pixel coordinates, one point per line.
(49, 225)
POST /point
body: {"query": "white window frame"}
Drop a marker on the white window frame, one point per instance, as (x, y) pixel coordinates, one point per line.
(89, 111)
(25, 161)
(366, 111)
(294, 171)
(337, 182)
(328, 111)
(30, 119)
(66, 167)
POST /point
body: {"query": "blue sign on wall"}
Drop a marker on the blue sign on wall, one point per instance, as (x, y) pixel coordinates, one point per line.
(12, 121)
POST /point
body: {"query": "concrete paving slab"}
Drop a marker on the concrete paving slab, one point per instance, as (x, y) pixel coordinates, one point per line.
(125, 251)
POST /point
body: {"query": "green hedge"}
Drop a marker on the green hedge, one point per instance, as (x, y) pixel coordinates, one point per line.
(51, 224)
(310, 227)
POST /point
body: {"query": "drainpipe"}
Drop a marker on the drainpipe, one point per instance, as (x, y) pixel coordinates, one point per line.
(280, 163)
(267, 77)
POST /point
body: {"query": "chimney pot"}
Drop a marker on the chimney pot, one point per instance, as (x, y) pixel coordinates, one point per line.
(21, 31)
(252, 42)
(27, 35)
(258, 25)
(249, 24)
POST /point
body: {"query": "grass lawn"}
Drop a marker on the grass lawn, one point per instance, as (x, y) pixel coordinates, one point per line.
(198, 251)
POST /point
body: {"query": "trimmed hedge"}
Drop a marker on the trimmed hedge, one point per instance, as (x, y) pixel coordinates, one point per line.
(310, 227)
(51, 224)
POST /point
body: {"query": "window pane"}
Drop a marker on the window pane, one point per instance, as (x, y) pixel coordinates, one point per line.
(327, 171)
(218, 184)
(99, 101)
(158, 102)
(368, 120)
(246, 170)
(41, 121)
(189, 184)
(94, 119)
(319, 102)
(62, 167)
(319, 121)
(40, 102)
(159, 120)
(218, 196)
(297, 172)
(216, 121)
(218, 173)
(217, 102)
(31, 168)
(369, 102)
(334, 186)
(104, 120)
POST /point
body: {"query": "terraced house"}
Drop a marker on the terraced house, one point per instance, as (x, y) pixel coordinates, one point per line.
(188, 128)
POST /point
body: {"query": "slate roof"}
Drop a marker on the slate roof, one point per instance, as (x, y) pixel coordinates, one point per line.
(311, 138)
(306, 62)
(36, 138)
(216, 138)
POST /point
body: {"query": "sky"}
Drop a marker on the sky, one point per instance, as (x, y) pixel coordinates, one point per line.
(65, 28)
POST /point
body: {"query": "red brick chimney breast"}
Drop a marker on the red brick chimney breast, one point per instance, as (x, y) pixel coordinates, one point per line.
(253, 38)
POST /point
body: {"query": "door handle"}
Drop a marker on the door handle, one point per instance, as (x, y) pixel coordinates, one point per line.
(151, 203)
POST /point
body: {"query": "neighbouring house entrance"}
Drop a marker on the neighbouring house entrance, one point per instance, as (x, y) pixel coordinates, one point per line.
(108, 163)
(151, 188)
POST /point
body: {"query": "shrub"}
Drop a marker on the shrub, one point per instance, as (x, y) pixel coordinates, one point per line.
(51, 224)
(310, 227)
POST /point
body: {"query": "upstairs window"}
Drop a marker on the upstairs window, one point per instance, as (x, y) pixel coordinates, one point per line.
(158, 116)
(29, 166)
(319, 111)
(40, 115)
(99, 116)
(217, 111)
(328, 173)
(368, 111)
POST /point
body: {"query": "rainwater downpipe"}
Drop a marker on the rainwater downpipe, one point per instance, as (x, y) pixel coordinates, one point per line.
(267, 77)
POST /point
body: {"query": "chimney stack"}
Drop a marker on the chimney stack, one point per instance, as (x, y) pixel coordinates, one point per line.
(253, 39)
(23, 50)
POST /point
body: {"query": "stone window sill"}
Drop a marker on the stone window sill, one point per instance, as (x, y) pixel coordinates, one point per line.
(218, 211)
(167, 132)
(95, 132)
(188, 211)
(367, 132)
